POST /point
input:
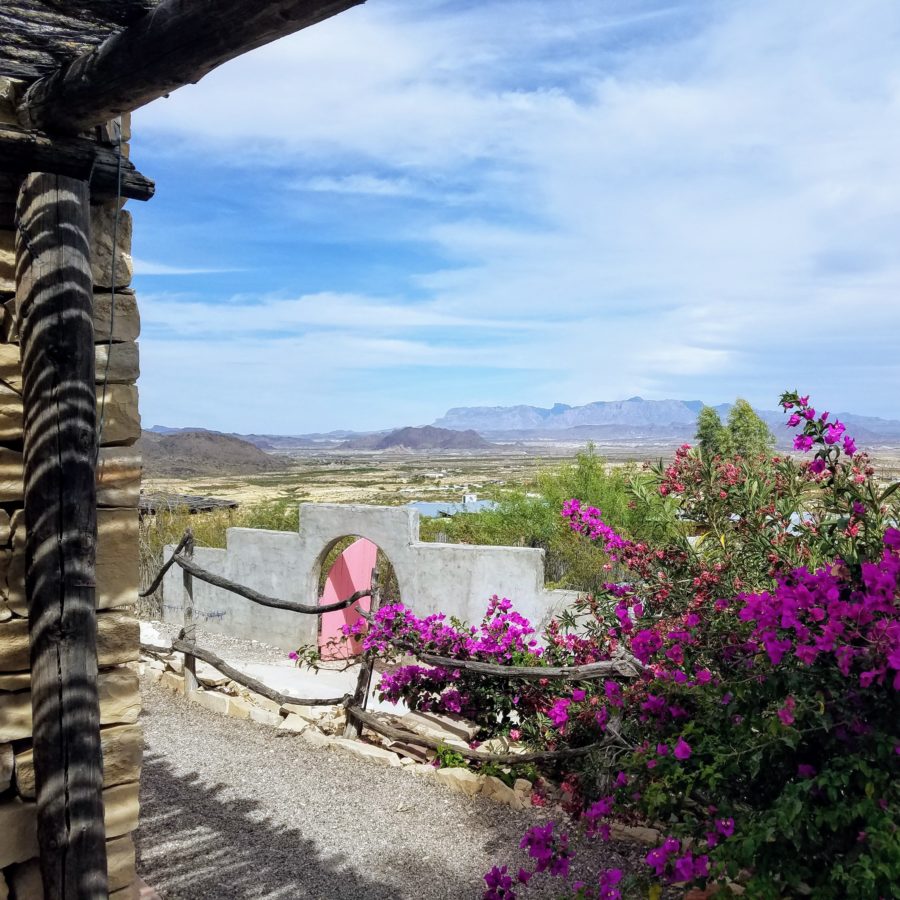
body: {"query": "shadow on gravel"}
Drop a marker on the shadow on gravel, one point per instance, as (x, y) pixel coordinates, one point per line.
(194, 845)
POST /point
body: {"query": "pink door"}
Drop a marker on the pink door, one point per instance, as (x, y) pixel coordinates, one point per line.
(351, 572)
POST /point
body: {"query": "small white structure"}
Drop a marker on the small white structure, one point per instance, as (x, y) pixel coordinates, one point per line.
(457, 579)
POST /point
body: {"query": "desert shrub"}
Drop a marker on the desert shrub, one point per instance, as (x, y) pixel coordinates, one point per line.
(522, 519)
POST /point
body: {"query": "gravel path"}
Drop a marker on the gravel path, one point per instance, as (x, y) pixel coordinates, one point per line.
(232, 809)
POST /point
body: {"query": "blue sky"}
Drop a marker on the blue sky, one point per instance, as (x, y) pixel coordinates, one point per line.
(422, 205)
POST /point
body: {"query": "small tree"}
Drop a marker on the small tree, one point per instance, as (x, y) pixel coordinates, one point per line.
(712, 435)
(748, 435)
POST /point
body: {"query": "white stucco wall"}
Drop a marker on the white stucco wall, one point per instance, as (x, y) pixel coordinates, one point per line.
(457, 579)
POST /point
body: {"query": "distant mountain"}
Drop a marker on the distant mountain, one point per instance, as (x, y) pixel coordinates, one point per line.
(187, 453)
(426, 437)
(628, 421)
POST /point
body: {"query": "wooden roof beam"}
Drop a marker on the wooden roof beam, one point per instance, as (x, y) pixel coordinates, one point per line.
(176, 44)
(22, 152)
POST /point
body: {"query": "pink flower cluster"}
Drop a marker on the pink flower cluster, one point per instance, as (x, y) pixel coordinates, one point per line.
(813, 614)
(588, 520)
(674, 864)
(816, 428)
(501, 634)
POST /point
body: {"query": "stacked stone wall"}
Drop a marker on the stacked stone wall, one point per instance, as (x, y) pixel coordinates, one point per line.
(116, 327)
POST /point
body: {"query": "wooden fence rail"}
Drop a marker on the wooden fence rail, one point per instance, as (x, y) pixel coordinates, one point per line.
(624, 665)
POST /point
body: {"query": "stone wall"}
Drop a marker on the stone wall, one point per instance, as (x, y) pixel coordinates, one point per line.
(118, 489)
(457, 579)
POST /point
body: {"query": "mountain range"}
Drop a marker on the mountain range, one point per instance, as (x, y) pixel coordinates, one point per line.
(632, 421)
(627, 420)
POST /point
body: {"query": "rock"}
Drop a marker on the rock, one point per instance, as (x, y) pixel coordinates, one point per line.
(265, 703)
(209, 676)
(522, 786)
(239, 708)
(120, 809)
(120, 696)
(368, 752)
(18, 825)
(265, 717)
(121, 419)
(462, 781)
(411, 751)
(103, 223)
(7, 260)
(294, 723)
(15, 681)
(315, 738)
(442, 727)
(122, 748)
(120, 862)
(118, 557)
(11, 366)
(213, 701)
(15, 717)
(126, 322)
(118, 638)
(310, 714)
(5, 530)
(176, 663)
(12, 487)
(421, 769)
(118, 477)
(7, 765)
(333, 722)
(4, 888)
(10, 414)
(14, 653)
(500, 792)
(118, 363)
(634, 833)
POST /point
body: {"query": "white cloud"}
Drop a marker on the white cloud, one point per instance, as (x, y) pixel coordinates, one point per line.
(148, 267)
(704, 194)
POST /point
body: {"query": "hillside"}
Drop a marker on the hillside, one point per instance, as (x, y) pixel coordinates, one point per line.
(426, 437)
(189, 453)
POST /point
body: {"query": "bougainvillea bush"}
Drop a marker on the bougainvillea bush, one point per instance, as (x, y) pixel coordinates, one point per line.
(762, 735)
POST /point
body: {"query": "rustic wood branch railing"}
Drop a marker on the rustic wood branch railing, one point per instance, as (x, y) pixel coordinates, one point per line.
(624, 666)
(241, 678)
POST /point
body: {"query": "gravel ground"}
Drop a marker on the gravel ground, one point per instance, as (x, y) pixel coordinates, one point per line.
(232, 649)
(232, 809)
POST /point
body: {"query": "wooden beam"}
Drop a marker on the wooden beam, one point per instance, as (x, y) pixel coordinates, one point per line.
(25, 151)
(54, 296)
(177, 44)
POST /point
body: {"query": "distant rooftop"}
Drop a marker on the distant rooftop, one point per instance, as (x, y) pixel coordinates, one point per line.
(432, 510)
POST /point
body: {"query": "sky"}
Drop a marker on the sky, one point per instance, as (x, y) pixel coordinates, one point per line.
(416, 206)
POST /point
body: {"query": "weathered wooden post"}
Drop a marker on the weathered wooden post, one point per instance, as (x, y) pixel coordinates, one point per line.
(188, 631)
(54, 300)
(353, 727)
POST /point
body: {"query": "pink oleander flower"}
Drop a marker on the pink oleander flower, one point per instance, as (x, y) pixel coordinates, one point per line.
(682, 749)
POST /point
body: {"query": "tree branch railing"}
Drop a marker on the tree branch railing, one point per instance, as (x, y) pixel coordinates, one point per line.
(354, 704)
